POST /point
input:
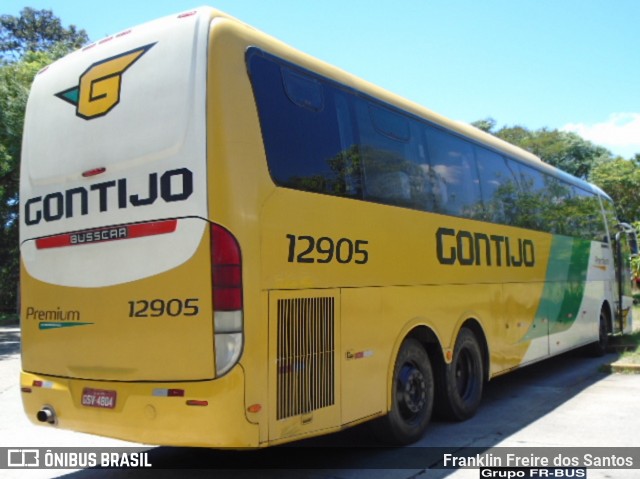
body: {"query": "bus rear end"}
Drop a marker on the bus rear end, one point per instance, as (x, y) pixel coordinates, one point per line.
(131, 300)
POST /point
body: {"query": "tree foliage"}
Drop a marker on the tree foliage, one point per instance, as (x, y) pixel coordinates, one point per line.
(36, 31)
(27, 44)
(565, 150)
(617, 177)
(621, 180)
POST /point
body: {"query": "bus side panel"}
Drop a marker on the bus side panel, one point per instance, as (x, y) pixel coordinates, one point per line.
(521, 301)
(574, 293)
(366, 354)
(398, 279)
(378, 245)
(588, 274)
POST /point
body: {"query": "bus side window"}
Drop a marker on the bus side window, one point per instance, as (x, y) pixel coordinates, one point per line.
(385, 150)
(498, 187)
(302, 90)
(303, 142)
(531, 192)
(586, 216)
(349, 157)
(453, 163)
(556, 206)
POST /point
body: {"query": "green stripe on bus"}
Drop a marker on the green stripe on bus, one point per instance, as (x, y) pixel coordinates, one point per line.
(564, 287)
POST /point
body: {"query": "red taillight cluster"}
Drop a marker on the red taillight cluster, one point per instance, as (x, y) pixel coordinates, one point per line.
(226, 265)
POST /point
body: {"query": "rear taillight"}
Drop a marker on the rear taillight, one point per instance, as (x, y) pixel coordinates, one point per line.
(226, 269)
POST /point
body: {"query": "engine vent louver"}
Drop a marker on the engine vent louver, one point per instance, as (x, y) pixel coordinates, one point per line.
(305, 355)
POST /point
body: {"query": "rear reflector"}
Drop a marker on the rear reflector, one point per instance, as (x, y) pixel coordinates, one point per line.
(196, 402)
(42, 384)
(168, 392)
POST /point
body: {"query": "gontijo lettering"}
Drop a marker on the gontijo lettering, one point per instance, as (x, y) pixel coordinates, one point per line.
(474, 249)
(171, 186)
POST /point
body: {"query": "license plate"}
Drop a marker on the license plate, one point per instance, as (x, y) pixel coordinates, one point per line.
(99, 398)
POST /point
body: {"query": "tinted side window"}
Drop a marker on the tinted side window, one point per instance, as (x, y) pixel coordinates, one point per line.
(454, 174)
(530, 200)
(323, 137)
(307, 143)
(557, 206)
(611, 218)
(303, 90)
(390, 123)
(498, 187)
(389, 144)
(586, 217)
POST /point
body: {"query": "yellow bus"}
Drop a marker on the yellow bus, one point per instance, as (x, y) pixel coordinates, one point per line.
(228, 243)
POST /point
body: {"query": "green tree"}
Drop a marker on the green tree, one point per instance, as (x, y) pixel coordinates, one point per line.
(621, 180)
(486, 125)
(568, 151)
(565, 150)
(27, 44)
(36, 31)
(15, 79)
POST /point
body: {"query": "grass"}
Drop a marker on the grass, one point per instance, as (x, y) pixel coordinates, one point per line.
(629, 345)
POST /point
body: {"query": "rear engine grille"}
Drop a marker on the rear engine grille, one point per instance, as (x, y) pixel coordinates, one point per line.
(305, 355)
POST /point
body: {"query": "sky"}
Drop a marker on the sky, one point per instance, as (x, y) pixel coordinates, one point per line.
(572, 65)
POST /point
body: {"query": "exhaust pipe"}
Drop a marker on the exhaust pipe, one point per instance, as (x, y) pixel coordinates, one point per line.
(47, 414)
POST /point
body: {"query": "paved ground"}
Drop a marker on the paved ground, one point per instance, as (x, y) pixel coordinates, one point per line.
(565, 402)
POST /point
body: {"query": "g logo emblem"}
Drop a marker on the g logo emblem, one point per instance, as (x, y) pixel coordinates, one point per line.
(98, 91)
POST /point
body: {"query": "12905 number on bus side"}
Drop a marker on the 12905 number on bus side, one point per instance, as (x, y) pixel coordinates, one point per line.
(307, 249)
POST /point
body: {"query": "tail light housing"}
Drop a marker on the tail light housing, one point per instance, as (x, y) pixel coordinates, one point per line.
(226, 270)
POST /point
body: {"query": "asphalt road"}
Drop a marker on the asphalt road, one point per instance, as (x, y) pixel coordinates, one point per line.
(563, 402)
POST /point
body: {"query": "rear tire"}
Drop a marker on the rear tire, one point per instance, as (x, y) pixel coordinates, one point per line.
(599, 348)
(462, 381)
(411, 397)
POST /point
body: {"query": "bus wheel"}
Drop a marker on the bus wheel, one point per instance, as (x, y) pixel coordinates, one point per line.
(461, 382)
(599, 348)
(411, 397)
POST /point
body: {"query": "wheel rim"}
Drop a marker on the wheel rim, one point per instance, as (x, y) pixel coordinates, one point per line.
(464, 370)
(411, 392)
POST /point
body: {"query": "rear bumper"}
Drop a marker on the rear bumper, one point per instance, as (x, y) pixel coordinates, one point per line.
(142, 414)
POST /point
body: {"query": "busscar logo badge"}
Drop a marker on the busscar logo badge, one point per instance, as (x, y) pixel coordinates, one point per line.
(98, 90)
